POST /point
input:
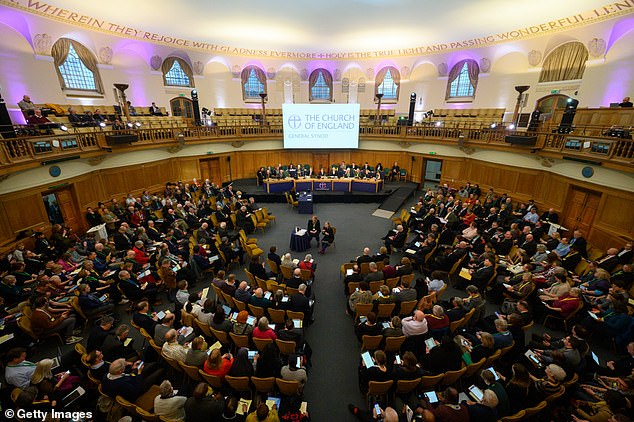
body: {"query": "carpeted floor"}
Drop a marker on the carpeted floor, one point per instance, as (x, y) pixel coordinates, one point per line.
(332, 381)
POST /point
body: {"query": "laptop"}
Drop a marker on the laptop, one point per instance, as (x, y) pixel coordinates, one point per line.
(614, 105)
(73, 396)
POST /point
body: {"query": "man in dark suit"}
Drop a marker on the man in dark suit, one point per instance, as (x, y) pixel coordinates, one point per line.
(366, 257)
(479, 276)
(118, 383)
(610, 260)
(396, 239)
(625, 254)
(529, 245)
(121, 240)
(444, 263)
(580, 242)
(300, 302)
(99, 333)
(114, 347)
(314, 228)
(273, 256)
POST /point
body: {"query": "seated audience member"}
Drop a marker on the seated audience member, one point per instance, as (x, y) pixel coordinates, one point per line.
(565, 304)
(368, 327)
(118, 383)
(263, 330)
(379, 372)
(519, 388)
(98, 333)
(172, 348)
(394, 328)
(489, 378)
(457, 311)
(361, 295)
(414, 325)
(18, 371)
(168, 405)
(551, 382)
(486, 410)
(449, 409)
(219, 321)
(240, 327)
(263, 413)
(446, 356)
(502, 337)
(437, 322)
(258, 299)
(314, 229)
(292, 372)
(98, 366)
(52, 387)
(242, 292)
(114, 345)
(197, 352)
(144, 319)
(395, 238)
(202, 408)
(43, 322)
(241, 366)
(90, 304)
(217, 364)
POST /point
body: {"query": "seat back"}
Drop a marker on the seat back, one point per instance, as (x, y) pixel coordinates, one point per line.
(256, 311)
(277, 316)
(239, 384)
(352, 286)
(393, 344)
(452, 376)
(429, 381)
(286, 347)
(287, 388)
(385, 310)
(240, 340)
(260, 343)
(407, 307)
(392, 282)
(295, 315)
(406, 386)
(375, 286)
(363, 309)
(191, 371)
(377, 388)
(263, 385)
(371, 342)
(287, 272)
(221, 336)
(213, 380)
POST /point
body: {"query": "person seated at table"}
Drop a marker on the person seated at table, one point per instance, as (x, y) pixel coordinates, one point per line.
(328, 237)
(395, 171)
(308, 264)
(313, 228)
(292, 171)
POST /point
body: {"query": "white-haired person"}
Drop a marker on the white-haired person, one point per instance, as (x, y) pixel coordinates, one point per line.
(168, 405)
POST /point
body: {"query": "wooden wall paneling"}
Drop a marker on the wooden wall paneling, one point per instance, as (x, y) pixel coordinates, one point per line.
(6, 234)
(89, 190)
(189, 168)
(528, 183)
(114, 183)
(553, 191)
(451, 171)
(24, 211)
(615, 213)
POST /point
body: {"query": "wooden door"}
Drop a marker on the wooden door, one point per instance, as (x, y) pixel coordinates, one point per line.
(320, 160)
(581, 208)
(67, 204)
(210, 169)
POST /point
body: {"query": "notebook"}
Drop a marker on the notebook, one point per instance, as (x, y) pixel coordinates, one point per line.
(243, 407)
(464, 273)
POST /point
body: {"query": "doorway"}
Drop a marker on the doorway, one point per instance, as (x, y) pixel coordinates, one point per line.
(581, 207)
(433, 171)
(61, 208)
(210, 169)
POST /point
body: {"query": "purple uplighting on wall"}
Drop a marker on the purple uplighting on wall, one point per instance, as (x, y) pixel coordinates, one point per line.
(16, 21)
(619, 30)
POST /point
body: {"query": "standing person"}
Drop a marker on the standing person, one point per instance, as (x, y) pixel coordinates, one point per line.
(328, 237)
(314, 228)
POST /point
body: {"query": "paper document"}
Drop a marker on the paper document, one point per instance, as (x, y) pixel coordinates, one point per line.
(301, 232)
(464, 273)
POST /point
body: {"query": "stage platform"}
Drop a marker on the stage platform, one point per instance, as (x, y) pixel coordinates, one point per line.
(249, 187)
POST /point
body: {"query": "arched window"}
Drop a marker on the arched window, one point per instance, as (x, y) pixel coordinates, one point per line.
(565, 63)
(76, 66)
(320, 86)
(387, 82)
(463, 81)
(177, 72)
(253, 83)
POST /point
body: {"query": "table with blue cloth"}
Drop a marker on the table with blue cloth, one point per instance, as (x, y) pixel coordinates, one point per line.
(279, 185)
(305, 203)
(300, 242)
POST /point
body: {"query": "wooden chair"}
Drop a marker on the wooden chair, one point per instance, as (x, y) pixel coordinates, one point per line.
(393, 344)
(240, 305)
(204, 328)
(239, 384)
(407, 278)
(270, 217)
(221, 336)
(468, 316)
(392, 282)
(426, 302)
(173, 363)
(295, 315)
(555, 396)
(406, 386)
(286, 347)
(130, 408)
(287, 272)
(262, 284)
(288, 388)
(256, 311)
(452, 376)
(240, 340)
(263, 385)
(454, 325)
(375, 286)
(24, 323)
(363, 309)
(430, 381)
(273, 286)
(190, 371)
(566, 319)
(213, 380)
(353, 286)
(371, 342)
(277, 316)
(535, 410)
(491, 359)
(407, 307)
(378, 389)
(571, 382)
(251, 277)
(187, 319)
(514, 418)
(261, 343)
(384, 310)
(258, 224)
(345, 267)
(473, 368)
(365, 268)
(506, 349)
(291, 291)
(147, 416)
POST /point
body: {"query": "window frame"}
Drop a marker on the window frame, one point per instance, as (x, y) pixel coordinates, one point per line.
(178, 63)
(463, 73)
(388, 100)
(321, 74)
(261, 77)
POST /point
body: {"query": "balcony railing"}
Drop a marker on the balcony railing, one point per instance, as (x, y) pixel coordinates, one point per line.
(24, 150)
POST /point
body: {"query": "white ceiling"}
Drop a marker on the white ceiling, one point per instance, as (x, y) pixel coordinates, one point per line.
(328, 25)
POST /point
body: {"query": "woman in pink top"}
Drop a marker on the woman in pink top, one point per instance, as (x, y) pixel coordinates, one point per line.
(217, 364)
(263, 330)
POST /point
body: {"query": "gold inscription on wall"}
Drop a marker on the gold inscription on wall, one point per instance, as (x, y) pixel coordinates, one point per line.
(41, 8)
